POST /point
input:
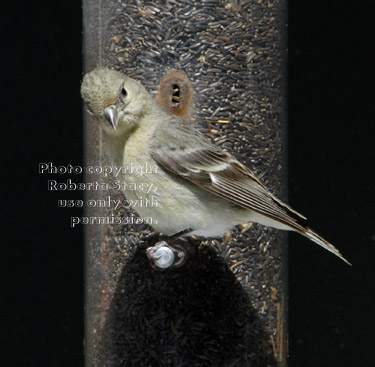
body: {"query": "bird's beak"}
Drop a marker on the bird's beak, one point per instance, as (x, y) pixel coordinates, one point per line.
(110, 114)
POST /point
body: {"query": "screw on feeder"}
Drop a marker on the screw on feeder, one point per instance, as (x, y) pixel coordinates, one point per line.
(162, 255)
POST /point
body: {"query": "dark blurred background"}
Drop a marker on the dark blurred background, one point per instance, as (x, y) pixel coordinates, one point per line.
(331, 159)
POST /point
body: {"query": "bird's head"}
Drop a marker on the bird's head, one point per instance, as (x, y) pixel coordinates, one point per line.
(116, 100)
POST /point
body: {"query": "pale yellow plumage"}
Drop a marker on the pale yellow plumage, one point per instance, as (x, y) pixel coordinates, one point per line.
(198, 186)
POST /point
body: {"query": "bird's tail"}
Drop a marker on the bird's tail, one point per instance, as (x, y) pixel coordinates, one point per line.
(292, 222)
(313, 236)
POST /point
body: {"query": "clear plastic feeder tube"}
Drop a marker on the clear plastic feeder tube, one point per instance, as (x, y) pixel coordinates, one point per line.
(219, 64)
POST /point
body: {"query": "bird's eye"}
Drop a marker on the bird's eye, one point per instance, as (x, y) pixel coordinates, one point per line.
(124, 92)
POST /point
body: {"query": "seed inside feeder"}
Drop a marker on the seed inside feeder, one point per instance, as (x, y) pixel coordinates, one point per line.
(230, 53)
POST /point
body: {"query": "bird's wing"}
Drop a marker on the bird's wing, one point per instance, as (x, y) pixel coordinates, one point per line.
(216, 171)
(220, 173)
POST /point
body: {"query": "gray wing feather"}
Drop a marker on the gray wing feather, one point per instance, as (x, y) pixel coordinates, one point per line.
(218, 172)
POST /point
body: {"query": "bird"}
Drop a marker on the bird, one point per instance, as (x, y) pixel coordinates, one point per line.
(199, 188)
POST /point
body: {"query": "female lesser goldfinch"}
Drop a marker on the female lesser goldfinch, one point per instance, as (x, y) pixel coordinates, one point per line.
(198, 187)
